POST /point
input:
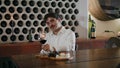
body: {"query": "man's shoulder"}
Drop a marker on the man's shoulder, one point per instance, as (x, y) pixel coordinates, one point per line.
(69, 31)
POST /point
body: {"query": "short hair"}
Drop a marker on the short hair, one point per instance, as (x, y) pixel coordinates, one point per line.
(52, 14)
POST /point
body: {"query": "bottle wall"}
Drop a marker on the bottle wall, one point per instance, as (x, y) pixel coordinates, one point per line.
(17, 17)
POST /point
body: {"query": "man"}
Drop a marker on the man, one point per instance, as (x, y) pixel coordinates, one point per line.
(59, 38)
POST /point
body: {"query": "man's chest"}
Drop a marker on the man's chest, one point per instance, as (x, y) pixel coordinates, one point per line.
(57, 39)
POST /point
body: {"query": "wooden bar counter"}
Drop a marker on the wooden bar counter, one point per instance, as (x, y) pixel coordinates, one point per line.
(8, 49)
(24, 55)
(18, 48)
(90, 58)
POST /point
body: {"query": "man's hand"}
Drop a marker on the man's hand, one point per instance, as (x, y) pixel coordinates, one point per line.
(46, 47)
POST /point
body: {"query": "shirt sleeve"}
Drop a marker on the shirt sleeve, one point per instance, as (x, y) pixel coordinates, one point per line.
(72, 41)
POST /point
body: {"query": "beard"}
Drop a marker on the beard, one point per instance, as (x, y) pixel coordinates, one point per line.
(55, 27)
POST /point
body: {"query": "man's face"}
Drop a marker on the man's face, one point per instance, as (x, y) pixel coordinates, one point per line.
(52, 23)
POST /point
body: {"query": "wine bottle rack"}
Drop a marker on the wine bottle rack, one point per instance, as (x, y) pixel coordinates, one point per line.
(18, 16)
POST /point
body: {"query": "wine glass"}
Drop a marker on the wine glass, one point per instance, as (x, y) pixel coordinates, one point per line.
(43, 41)
(41, 37)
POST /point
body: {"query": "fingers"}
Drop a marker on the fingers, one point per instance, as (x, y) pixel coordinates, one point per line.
(46, 47)
(54, 49)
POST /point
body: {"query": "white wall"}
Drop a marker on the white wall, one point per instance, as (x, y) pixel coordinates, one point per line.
(112, 25)
(82, 18)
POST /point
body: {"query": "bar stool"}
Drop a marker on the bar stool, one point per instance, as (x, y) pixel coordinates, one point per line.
(112, 42)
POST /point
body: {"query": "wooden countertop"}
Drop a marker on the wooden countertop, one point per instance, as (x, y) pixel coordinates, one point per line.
(9, 49)
(90, 58)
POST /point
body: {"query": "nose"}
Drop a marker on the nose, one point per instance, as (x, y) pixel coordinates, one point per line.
(49, 23)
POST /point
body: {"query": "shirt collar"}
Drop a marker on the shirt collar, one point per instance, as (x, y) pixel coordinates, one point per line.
(61, 31)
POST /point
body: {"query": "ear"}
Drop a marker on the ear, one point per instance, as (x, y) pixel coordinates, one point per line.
(59, 19)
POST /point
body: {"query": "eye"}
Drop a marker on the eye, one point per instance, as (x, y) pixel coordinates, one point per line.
(48, 23)
(52, 20)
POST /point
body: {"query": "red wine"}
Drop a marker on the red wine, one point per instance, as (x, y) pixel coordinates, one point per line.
(43, 41)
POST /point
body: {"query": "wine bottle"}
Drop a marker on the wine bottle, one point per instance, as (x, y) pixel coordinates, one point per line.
(89, 26)
(30, 35)
(15, 3)
(7, 2)
(21, 37)
(11, 9)
(20, 23)
(3, 9)
(19, 9)
(13, 38)
(24, 30)
(93, 31)
(7, 16)
(8, 31)
(4, 38)
(3, 24)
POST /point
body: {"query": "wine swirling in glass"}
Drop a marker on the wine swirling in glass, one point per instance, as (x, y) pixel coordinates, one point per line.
(42, 37)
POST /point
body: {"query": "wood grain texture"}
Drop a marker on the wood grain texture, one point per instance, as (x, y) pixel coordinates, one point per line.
(90, 58)
(19, 48)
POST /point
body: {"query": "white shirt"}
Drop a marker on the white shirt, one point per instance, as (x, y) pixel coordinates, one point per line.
(63, 41)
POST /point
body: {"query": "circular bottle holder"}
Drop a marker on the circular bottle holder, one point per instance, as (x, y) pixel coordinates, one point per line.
(18, 16)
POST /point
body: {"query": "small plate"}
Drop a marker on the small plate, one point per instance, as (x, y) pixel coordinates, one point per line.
(51, 58)
(54, 58)
(42, 56)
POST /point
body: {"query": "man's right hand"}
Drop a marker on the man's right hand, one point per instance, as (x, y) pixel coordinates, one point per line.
(46, 47)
